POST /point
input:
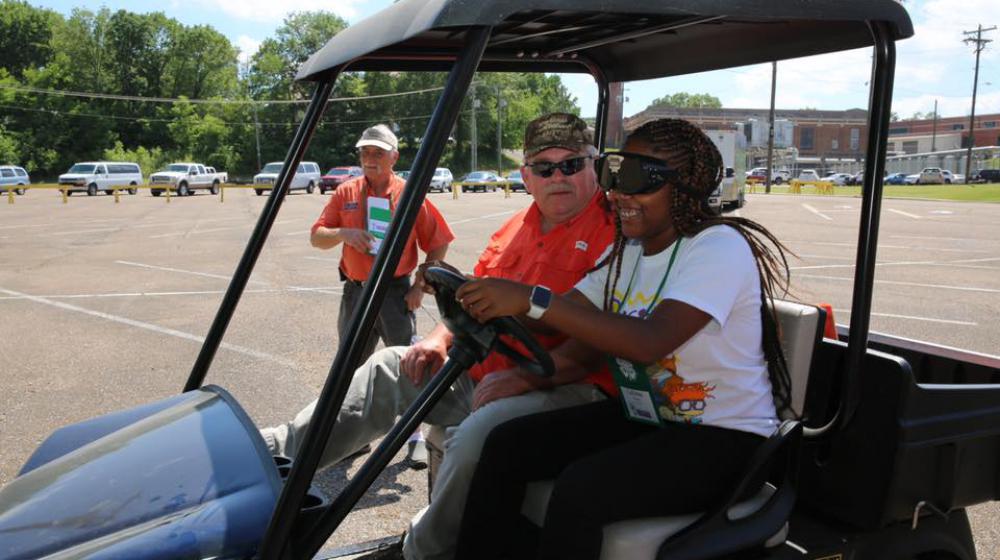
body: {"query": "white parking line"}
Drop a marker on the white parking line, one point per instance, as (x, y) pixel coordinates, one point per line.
(898, 283)
(912, 317)
(150, 327)
(901, 213)
(247, 225)
(486, 217)
(817, 212)
(909, 247)
(934, 238)
(194, 273)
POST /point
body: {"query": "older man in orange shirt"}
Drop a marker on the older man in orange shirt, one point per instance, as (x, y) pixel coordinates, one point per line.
(352, 217)
(554, 242)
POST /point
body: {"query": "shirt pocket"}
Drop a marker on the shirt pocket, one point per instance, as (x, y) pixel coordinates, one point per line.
(560, 271)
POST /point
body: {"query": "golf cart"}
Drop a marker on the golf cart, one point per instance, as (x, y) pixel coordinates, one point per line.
(894, 438)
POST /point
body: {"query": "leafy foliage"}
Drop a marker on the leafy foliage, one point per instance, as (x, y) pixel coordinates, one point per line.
(687, 101)
(106, 54)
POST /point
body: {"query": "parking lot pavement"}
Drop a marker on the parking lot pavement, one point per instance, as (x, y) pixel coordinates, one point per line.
(105, 305)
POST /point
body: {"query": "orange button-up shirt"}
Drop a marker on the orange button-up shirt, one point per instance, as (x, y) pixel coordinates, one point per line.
(557, 260)
(347, 209)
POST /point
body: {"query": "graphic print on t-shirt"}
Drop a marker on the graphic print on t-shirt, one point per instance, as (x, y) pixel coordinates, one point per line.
(677, 400)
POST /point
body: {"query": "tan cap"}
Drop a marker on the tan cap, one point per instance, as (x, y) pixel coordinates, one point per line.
(556, 130)
(379, 136)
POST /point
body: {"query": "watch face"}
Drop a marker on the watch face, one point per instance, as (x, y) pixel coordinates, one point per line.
(541, 296)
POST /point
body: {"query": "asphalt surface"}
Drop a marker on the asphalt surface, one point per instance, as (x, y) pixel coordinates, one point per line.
(103, 306)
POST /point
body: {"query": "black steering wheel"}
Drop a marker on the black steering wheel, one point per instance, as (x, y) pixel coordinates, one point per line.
(484, 337)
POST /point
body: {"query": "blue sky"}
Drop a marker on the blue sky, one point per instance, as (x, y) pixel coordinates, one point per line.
(935, 64)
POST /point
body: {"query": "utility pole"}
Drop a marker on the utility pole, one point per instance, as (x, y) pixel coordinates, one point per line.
(475, 140)
(934, 129)
(770, 128)
(980, 45)
(501, 103)
(256, 132)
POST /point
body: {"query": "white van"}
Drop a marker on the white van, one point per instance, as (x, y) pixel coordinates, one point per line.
(93, 176)
(306, 177)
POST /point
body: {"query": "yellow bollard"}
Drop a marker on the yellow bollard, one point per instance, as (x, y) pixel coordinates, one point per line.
(455, 187)
(506, 190)
(222, 193)
(65, 193)
(115, 190)
(167, 190)
(10, 196)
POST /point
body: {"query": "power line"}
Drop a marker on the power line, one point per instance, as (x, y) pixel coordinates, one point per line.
(117, 97)
(227, 123)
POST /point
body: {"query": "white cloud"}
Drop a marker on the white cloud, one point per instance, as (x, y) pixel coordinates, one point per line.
(274, 12)
(248, 47)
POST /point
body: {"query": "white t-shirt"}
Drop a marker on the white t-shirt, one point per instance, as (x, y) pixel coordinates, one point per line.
(718, 377)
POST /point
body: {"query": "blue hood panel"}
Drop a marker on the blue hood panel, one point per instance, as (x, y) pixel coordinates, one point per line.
(187, 477)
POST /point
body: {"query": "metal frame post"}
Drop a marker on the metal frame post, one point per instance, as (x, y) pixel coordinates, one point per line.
(276, 540)
(880, 106)
(259, 235)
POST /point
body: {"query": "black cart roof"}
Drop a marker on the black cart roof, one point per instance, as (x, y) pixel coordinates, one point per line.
(627, 39)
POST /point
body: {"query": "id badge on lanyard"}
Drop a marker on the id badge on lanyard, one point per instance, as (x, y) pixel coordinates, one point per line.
(636, 390)
(631, 377)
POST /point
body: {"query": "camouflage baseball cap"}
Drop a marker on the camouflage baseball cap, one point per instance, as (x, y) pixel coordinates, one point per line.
(556, 130)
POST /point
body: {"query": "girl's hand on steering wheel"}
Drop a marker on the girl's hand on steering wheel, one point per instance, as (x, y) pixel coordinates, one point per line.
(489, 298)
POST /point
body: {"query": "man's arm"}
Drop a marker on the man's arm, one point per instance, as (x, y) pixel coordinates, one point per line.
(573, 360)
(328, 238)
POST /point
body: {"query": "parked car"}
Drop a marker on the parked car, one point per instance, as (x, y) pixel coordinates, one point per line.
(838, 178)
(856, 179)
(480, 181)
(912, 179)
(93, 176)
(895, 179)
(778, 176)
(931, 176)
(13, 177)
(808, 175)
(222, 176)
(442, 180)
(337, 175)
(516, 180)
(986, 176)
(306, 177)
(949, 177)
(185, 178)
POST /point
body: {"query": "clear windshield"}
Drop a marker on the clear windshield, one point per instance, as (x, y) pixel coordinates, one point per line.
(177, 167)
(336, 171)
(81, 168)
(272, 168)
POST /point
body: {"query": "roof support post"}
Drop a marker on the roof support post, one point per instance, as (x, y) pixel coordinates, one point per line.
(880, 105)
(276, 540)
(259, 235)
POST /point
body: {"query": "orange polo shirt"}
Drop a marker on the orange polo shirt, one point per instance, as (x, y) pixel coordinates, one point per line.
(347, 209)
(557, 260)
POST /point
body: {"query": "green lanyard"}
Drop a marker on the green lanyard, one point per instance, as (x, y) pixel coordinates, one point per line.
(663, 282)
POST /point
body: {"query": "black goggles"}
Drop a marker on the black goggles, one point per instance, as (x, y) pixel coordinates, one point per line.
(567, 167)
(629, 173)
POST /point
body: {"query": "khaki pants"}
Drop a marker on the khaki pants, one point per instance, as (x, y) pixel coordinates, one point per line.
(378, 394)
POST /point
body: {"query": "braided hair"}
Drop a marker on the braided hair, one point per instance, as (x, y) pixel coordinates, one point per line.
(699, 166)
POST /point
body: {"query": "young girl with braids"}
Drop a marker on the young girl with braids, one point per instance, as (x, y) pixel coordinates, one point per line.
(678, 311)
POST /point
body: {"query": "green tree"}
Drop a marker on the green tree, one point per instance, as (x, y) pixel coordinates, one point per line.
(25, 36)
(687, 101)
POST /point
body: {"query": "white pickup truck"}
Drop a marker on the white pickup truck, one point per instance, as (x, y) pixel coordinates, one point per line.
(185, 178)
(222, 176)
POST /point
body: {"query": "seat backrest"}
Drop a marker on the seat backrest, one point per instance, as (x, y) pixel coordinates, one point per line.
(801, 330)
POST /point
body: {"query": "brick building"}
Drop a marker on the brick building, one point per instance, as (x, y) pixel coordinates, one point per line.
(818, 136)
(923, 135)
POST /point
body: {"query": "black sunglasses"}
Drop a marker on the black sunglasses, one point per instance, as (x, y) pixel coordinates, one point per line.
(629, 173)
(567, 167)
